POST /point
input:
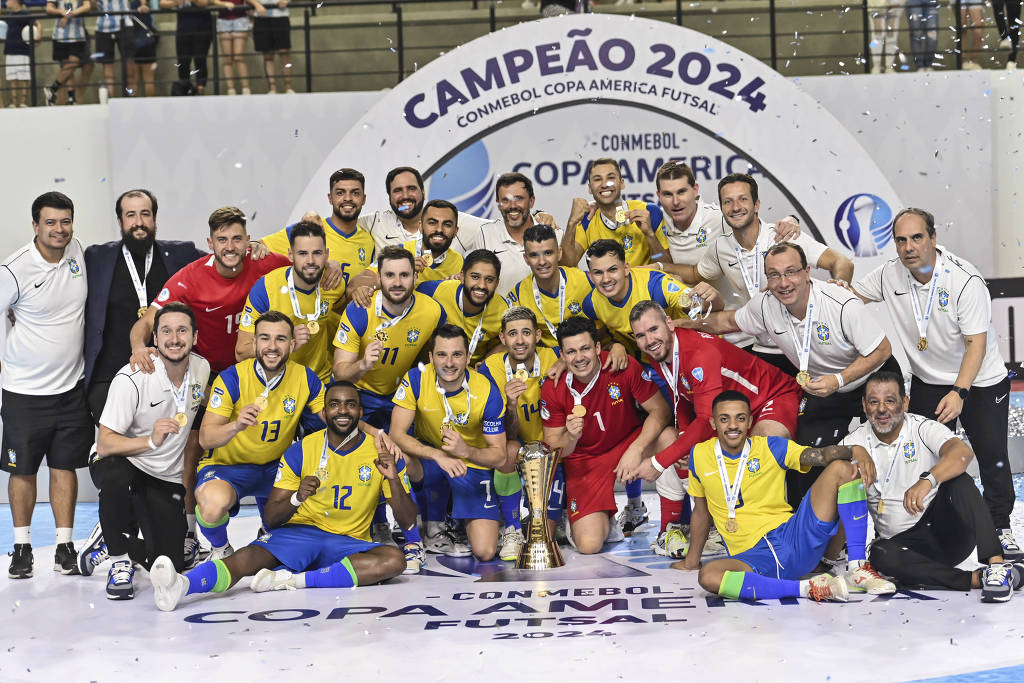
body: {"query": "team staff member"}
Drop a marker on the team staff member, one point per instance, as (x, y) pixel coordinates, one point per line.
(459, 440)
(591, 413)
(634, 224)
(44, 409)
(254, 411)
(927, 512)
(140, 455)
(942, 312)
(297, 291)
(317, 516)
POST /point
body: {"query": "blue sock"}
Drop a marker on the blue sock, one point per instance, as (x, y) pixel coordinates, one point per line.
(634, 489)
(380, 515)
(853, 513)
(208, 577)
(751, 586)
(413, 535)
(684, 517)
(511, 506)
(337, 575)
(215, 532)
(437, 489)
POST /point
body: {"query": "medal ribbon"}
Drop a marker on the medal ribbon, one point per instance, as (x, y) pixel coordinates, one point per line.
(449, 414)
(752, 282)
(803, 348)
(180, 396)
(293, 295)
(325, 453)
(732, 491)
(272, 384)
(478, 333)
(385, 323)
(561, 301)
(611, 223)
(139, 283)
(673, 379)
(925, 318)
(882, 484)
(577, 396)
(536, 367)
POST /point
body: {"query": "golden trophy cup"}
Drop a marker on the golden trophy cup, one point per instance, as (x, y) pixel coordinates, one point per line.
(536, 464)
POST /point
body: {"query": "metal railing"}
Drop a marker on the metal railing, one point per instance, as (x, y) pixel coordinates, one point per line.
(372, 44)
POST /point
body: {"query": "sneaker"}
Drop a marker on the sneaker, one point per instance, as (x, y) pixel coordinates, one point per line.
(972, 66)
(632, 517)
(864, 579)
(50, 95)
(714, 545)
(72, 99)
(289, 91)
(510, 543)
(1011, 551)
(21, 561)
(443, 543)
(93, 553)
(672, 542)
(1017, 573)
(615, 532)
(246, 91)
(119, 581)
(65, 559)
(232, 91)
(380, 532)
(415, 558)
(828, 587)
(272, 580)
(996, 583)
(191, 550)
(1004, 43)
(220, 553)
(169, 587)
(1011, 65)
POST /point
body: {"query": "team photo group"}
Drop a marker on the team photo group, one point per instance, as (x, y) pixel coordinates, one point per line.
(370, 378)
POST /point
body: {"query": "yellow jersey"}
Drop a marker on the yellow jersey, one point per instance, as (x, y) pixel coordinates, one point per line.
(549, 314)
(405, 339)
(298, 397)
(450, 264)
(528, 404)
(270, 293)
(630, 236)
(643, 284)
(762, 504)
(448, 293)
(354, 250)
(348, 496)
(479, 411)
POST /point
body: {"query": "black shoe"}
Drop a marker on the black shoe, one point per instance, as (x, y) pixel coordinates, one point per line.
(21, 561)
(65, 560)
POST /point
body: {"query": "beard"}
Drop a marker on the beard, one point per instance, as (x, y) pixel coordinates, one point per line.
(138, 246)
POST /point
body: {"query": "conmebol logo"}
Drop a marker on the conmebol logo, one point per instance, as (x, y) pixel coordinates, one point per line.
(863, 223)
(467, 181)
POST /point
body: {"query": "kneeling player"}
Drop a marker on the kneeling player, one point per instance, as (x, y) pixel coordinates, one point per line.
(318, 513)
(591, 414)
(740, 484)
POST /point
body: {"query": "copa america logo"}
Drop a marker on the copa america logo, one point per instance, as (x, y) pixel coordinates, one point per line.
(864, 224)
(467, 180)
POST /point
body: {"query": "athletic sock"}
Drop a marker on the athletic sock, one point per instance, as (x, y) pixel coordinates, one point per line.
(853, 512)
(209, 577)
(436, 493)
(118, 558)
(684, 517)
(190, 523)
(215, 532)
(64, 534)
(634, 492)
(751, 586)
(338, 575)
(671, 511)
(412, 534)
(380, 515)
(23, 534)
(511, 507)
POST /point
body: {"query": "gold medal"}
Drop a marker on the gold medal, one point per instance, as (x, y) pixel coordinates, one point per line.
(381, 336)
(579, 411)
(428, 258)
(142, 311)
(261, 403)
(446, 425)
(732, 526)
(321, 474)
(620, 215)
(881, 506)
(686, 299)
(523, 374)
(922, 344)
(803, 377)
(181, 419)
(313, 327)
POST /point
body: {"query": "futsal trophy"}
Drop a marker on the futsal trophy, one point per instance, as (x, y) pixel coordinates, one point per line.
(536, 464)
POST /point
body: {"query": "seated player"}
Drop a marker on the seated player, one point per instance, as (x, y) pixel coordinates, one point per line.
(695, 368)
(739, 483)
(254, 410)
(459, 439)
(519, 374)
(591, 413)
(928, 514)
(317, 515)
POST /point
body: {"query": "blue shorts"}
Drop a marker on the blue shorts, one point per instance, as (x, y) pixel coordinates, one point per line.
(799, 545)
(301, 547)
(556, 501)
(376, 409)
(246, 480)
(473, 496)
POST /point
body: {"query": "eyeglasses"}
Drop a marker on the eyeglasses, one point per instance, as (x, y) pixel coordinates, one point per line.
(789, 275)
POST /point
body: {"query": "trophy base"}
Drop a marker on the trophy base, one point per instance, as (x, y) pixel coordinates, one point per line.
(539, 555)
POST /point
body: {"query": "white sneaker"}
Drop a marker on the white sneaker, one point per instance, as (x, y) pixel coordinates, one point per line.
(997, 583)
(415, 558)
(510, 543)
(443, 543)
(246, 91)
(877, 68)
(672, 542)
(169, 587)
(232, 91)
(220, 553)
(714, 545)
(380, 532)
(1004, 44)
(864, 579)
(1011, 549)
(828, 587)
(272, 580)
(191, 551)
(1011, 65)
(632, 517)
(615, 534)
(970, 65)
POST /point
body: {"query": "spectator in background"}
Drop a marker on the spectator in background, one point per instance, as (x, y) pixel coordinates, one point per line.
(885, 37)
(114, 28)
(1007, 13)
(146, 39)
(232, 29)
(923, 20)
(70, 45)
(271, 35)
(972, 18)
(192, 39)
(16, 52)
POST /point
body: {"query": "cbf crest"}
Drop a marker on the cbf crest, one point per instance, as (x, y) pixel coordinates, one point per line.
(943, 300)
(909, 452)
(413, 336)
(614, 392)
(575, 308)
(364, 475)
(362, 254)
(701, 237)
(627, 243)
(197, 395)
(289, 405)
(754, 465)
(76, 269)
(822, 332)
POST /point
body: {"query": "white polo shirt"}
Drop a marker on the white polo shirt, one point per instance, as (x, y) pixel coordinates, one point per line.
(514, 269)
(44, 352)
(843, 331)
(962, 305)
(137, 400)
(689, 246)
(385, 228)
(899, 466)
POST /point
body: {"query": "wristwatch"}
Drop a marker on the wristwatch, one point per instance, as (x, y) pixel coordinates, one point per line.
(961, 392)
(931, 478)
